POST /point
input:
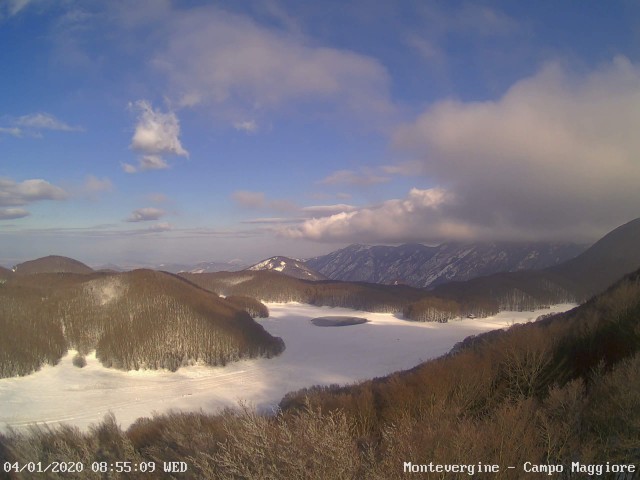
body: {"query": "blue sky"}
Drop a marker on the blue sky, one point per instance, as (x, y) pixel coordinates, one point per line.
(158, 131)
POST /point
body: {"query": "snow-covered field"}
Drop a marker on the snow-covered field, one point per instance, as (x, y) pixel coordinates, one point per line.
(313, 355)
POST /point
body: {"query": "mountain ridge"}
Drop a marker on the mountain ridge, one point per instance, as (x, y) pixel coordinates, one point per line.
(52, 264)
(424, 266)
(288, 266)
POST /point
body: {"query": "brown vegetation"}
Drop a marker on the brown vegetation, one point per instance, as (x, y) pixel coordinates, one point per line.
(250, 305)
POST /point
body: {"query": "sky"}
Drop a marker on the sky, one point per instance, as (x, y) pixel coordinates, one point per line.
(150, 131)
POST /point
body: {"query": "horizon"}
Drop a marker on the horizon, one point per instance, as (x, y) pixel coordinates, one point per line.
(186, 132)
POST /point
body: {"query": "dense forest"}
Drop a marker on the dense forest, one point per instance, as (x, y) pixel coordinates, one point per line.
(140, 319)
(416, 304)
(560, 390)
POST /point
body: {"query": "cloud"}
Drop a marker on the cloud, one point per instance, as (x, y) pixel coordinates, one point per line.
(249, 199)
(13, 7)
(156, 133)
(13, 213)
(248, 126)
(469, 19)
(44, 121)
(271, 220)
(160, 227)
(365, 177)
(157, 197)
(145, 214)
(324, 210)
(32, 125)
(93, 185)
(13, 131)
(228, 61)
(397, 220)
(258, 200)
(555, 157)
(14, 194)
(146, 162)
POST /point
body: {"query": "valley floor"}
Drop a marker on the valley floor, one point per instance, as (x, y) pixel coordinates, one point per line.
(314, 355)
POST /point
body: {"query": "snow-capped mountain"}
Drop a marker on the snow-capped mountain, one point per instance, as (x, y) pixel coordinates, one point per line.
(289, 266)
(423, 266)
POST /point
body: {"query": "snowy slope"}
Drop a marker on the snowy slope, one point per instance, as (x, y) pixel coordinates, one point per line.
(313, 355)
(288, 266)
(422, 266)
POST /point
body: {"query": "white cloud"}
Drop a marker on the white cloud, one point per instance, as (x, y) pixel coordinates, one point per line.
(158, 197)
(13, 213)
(248, 126)
(32, 125)
(44, 121)
(365, 177)
(555, 157)
(94, 185)
(160, 227)
(13, 131)
(249, 199)
(156, 133)
(271, 220)
(258, 200)
(14, 194)
(398, 220)
(128, 168)
(470, 19)
(13, 7)
(229, 61)
(324, 210)
(145, 214)
(146, 162)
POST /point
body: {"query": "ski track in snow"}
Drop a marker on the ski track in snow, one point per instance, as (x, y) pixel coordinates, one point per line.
(313, 356)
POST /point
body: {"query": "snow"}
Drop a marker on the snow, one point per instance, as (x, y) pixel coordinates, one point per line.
(313, 355)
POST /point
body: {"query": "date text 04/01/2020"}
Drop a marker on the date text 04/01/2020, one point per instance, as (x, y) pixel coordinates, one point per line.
(96, 467)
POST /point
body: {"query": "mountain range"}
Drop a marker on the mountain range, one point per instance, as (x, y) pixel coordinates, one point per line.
(424, 266)
(285, 279)
(288, 266)
(613, 256)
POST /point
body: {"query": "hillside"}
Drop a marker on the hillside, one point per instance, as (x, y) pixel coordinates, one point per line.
(422, 266)
(5, 273)
(273, 286)
(611, 257)
(288, 266)
(138, 319)
(52, 264)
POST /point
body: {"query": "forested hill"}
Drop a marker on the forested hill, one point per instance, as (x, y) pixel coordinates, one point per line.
(52, 264)
(5, 273)
(613, 256)
(138, 319)
(412, 303)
